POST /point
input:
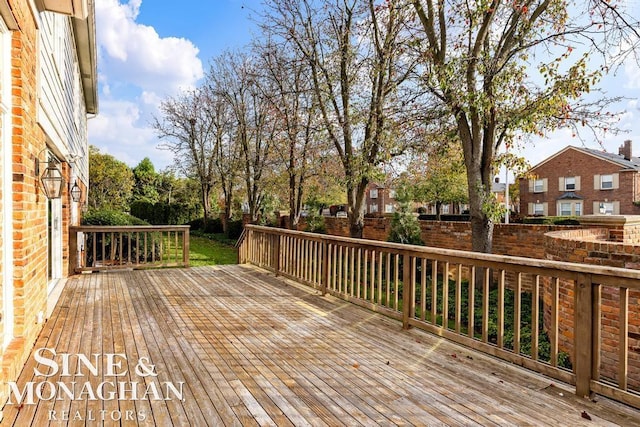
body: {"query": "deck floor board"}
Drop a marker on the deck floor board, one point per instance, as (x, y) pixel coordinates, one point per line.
(254, 349)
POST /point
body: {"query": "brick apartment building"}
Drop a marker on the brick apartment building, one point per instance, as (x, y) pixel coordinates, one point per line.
(48, 86)
(380, 200)
(581, 181)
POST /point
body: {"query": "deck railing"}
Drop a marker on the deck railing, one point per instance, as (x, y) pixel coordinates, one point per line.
(543, 315)
(98, 248)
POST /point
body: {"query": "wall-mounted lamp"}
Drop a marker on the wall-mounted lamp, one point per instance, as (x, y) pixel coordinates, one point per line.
(52, 181)
(76, 192)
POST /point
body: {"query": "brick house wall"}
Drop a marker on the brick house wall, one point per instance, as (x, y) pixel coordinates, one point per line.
(581, 164)
(29, 238)
(377, 198)
(29, 203)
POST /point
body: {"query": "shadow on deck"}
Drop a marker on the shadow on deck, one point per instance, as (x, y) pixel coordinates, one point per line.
(236, 345)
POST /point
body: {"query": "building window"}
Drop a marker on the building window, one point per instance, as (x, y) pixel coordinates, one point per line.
(570, 183)
(608, 208)
(606, 182)
(538, 186)
(578, 208)
(538, 209)
(373, 193)
(392, 194)
(373, 208)
(565, 209)
(388, 208)
(445, 209)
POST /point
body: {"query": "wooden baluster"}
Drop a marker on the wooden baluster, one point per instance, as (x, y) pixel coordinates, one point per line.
(352, 272)
(325, 267)
(396, 281)
(380, 255)
(408, 290)
(372, 277)
(445, 296)
(471, 301)
(553, 333)
(364, 275)
(623, 340)
(485, 303)
(434, 292)
(387, 301)
(185, 247)
(423, 289)
(501, 288)
(458, 309)
(517, 315)
(339, 270)
(535, 317)
(359, 273)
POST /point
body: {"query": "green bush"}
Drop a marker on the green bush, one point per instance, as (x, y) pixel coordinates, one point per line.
(214, 225)
(110, 217)
(551, 220)
(234, 229)
(164, 213)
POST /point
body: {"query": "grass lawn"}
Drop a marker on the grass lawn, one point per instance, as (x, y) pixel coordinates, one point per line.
(203, 251)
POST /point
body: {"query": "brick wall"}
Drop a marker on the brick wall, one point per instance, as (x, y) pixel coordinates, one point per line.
(30, 204)
(592, 247)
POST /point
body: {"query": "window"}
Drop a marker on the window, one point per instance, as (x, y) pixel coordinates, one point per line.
(392, 194)
(570, 183)
(445, 209)
(565, 209)
(538, 209)
(373, 208)
(608, 208)
(578, 208)
(388, 208)
(373, 193)
(538, 186)
(606, 182)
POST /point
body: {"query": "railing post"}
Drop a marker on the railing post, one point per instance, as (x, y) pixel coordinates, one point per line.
(325, 267)
(185, 247)
(583, 343)
(73, 250)
(407, 291)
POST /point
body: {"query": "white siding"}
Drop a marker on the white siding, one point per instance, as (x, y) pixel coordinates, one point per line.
(61, 111)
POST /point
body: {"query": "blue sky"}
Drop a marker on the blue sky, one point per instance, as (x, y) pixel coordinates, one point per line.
(151, 49)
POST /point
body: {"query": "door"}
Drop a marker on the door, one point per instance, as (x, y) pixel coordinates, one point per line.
(55, 242)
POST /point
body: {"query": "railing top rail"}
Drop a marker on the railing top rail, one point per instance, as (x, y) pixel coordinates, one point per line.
(114, 228)
(603, 274)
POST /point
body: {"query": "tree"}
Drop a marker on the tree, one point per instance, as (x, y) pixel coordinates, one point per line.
(478, 62)
(354, 50)
(444, 180)
(287, 86)
(146, 182)
(234, 78)
(111, 182)
(187, 128)
(405, 227)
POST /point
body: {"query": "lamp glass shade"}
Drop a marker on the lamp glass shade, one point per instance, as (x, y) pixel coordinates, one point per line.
(76, 192)
(52, 181)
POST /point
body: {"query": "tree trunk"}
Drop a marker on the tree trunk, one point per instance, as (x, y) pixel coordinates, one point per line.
(438, 210)
(206, 204)
(356, 209)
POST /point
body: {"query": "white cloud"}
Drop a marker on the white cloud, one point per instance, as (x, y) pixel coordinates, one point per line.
(632, 75)
(137, 69)
(134, 54)
(117, 131)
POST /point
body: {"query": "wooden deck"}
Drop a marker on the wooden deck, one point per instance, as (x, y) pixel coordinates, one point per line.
(253, 349)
